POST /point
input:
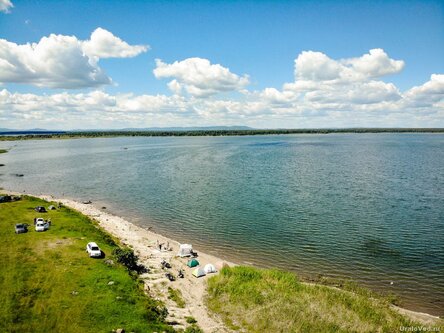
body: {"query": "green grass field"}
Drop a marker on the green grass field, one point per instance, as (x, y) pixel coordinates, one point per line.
(257, 300)
(49, 284)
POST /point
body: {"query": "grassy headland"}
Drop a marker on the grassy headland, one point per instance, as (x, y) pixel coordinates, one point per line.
(234, 132)
(49, 284)
(258, 300)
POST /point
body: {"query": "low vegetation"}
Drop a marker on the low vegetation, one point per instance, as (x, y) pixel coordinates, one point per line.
(257, 300)
(127, 258)
(176, 296)
(193, 329)
(49, 284)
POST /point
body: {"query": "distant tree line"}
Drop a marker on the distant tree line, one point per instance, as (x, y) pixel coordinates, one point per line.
(101, 134)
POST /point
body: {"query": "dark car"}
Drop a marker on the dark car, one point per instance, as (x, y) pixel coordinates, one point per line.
(40, 209)
(5, 198)
(21, 228)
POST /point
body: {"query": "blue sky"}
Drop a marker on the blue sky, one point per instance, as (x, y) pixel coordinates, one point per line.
(259, 39)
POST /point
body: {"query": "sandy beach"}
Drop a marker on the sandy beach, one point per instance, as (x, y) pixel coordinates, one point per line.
(145, 244)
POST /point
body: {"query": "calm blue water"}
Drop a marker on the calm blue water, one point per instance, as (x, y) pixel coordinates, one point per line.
(363, 206)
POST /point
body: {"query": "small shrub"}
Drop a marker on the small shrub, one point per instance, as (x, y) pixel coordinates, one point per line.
(193, 329)
(190, 320)
(127, 258)
(176, 296)
(109, 240)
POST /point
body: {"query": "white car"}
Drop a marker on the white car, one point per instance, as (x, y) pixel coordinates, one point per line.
(93, 250)
(41, 226)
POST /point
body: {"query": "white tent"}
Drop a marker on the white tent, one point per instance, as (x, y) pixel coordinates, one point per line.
(185, 250)
(209, 268)
(198, 272)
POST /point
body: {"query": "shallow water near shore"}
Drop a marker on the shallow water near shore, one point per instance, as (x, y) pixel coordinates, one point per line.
(363, 206)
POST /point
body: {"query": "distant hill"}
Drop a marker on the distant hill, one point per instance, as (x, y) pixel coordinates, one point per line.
(148, 129)
(170, 129)
(23, 130)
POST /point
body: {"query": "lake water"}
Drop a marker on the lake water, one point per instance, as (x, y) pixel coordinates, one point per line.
(364, 206)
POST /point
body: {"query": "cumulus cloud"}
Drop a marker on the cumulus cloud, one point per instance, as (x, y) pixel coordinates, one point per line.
(103, 44)
(316, 66)
(323, 83)
(198, 77)
(362, 93)
(427, 94)
(59, 61)
(5, 6)
(56, 61)
(374, 64)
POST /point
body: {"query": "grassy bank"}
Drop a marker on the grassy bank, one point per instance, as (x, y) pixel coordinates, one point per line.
(259, 300)
(49, 284)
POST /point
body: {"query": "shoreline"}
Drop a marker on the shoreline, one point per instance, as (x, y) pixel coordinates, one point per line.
(143, 242)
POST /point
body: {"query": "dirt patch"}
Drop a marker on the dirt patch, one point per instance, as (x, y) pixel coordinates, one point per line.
(51, 245)
(58, 243)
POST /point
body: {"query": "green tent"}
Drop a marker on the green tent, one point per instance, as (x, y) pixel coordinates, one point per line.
(192, 263)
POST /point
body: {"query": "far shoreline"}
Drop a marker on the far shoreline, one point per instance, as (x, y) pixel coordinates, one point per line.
(136, 236)
(20, 135)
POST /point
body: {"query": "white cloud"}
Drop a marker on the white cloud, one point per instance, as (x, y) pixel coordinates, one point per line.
(318, 67)
(5, 6)
(103, 44)
(434, 89)
(59, 61)
(358, 93)
(429, 94)
(198, 77)
(56, 61)
(322, 83)
(375, 64)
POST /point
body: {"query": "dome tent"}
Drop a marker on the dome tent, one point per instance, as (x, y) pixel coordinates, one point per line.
(198, 272)
(192, 263)
(209, 268)
(185, 250)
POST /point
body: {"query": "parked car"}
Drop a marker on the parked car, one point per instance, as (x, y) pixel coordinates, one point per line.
(21, 228)
(40, 209)
(41, 226)
(5, 198)
(38, 219)
(93, 250)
